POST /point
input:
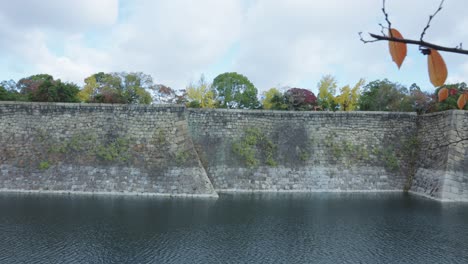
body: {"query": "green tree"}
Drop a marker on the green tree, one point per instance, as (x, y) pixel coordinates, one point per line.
(233, 90)
(8, 91)
(123, 88)
(43, 88)
(4, 94)
(383, 95)
(348, 100)
(134, 87)
(327, 90)
(200, 95)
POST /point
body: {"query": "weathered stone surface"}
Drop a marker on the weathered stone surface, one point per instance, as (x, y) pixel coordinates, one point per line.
(313, 150)
(99, 149)
(443, 157)
(171, 150)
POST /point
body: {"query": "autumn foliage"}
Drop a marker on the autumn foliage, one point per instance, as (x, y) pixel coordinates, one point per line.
(437, 69)
(300, 98)
(452, 97)
(436, 65)
(398, 50)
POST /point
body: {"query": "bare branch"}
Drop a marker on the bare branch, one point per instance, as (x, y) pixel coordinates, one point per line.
(366, 41)
(418, 42)
(382, 30)
(430, 19)
(424, 46)
(386, 19)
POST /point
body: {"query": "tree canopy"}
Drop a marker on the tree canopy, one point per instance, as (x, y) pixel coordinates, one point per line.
(233, 90)
(383, 95)
(300, 99)
(122, 88)
(43, 88)
(348, 99)
(271, 98)
(326, 96)
(200, 95)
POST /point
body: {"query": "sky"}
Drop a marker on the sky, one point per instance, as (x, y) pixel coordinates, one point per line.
(275, 43)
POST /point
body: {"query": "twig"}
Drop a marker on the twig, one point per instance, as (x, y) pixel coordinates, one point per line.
(382, 29)
(423, 45)
(430, 19)
(366, 41)
(386, 18)
(416, 42)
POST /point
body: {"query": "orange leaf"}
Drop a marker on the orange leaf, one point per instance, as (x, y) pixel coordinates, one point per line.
(397, 50)
(461, 101)
(437, 69)
(443, 94)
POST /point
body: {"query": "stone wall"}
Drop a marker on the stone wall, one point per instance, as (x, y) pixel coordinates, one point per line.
(443, 156)
(96, 148)
(170, 150)
(303, 151)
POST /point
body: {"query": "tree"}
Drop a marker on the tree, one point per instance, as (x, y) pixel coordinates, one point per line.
(436, 65)
(271, 98)
(8, 91)
(233, 90)
(102, 88)
(200, 95)
(4, 94)
(163, 94)
(422, 102)
(134, 87)
(123, 88)
(43, 88)
(452, 93)
(383, 95)
(300, 99)
(326, 96)
(348, 99)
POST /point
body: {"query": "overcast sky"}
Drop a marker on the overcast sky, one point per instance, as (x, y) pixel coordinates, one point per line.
(273, 42)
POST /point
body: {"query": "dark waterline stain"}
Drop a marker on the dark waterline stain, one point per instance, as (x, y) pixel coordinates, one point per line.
(244, 228)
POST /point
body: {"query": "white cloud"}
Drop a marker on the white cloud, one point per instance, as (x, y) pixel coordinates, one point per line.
(172, 40)
(27, 27)
(60, 14)
(297, 41)
(291, 42)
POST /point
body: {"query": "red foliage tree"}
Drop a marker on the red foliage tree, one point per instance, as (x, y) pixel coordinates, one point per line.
(300, 99)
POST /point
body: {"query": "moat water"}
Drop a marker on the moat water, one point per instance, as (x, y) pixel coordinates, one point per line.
(244, 228)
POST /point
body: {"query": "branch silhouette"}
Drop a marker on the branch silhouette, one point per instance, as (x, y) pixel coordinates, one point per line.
(423, 45)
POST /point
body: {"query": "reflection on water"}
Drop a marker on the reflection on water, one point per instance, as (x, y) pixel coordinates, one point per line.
(244, 228)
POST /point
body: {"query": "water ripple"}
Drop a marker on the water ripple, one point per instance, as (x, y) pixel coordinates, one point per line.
(283, 228)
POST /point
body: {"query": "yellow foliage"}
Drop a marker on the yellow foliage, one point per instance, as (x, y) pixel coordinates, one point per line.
(201, 93)
(88, 89)
(327, 89)
(348, 100)
(268, 96)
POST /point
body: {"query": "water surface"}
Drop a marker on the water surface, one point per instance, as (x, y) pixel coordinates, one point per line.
(261, 228)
